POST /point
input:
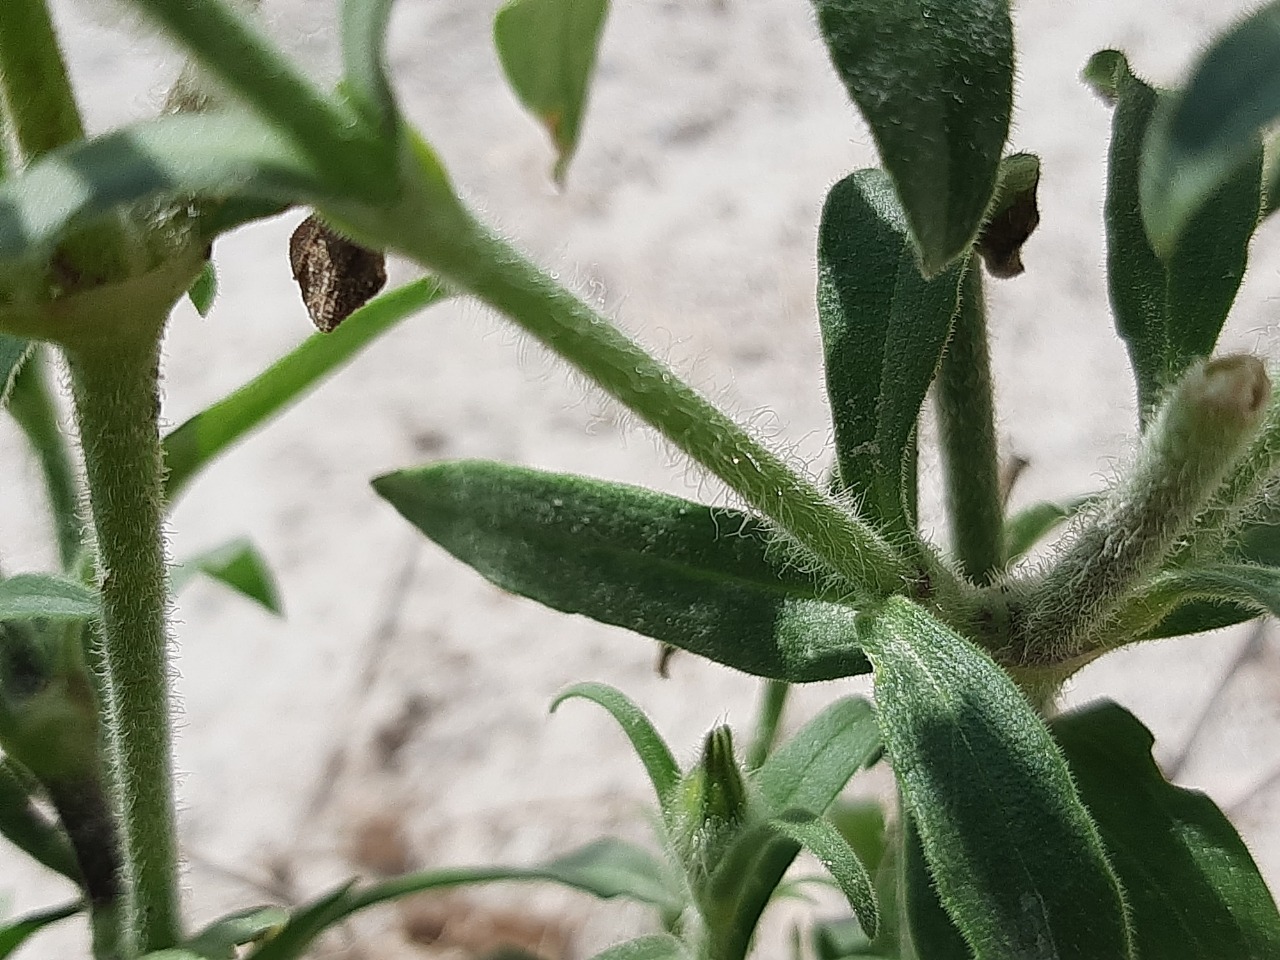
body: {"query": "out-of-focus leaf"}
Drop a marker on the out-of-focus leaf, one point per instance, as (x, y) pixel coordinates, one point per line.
(713, 581)
(13, 354)
(645, 740)
(809, 770)
(30, 596)
(934, 80)
(1017, 861)
(364, 39)
(27, 828)
(205, 289)
(238, 565)
(14, 933)
(605, 868)
(219, 940)
(198, 441)
(1030, 525)
(1192, 889)
(548, 50)
(658, 946)
(1211, 129)
(930, 932)
(1169, 306)
(884, 328)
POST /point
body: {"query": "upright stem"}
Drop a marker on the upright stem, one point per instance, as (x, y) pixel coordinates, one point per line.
(773, 699)
(966, 423)
(32, 405)
(116, 395)
(37, 93)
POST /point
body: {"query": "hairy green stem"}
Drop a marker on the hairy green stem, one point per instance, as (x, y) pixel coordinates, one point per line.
(1197, 436)
(435, 229)
(33, 407)
(115, 384)
(966, 424)
(773, 700)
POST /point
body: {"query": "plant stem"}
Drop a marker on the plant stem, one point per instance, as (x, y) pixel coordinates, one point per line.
(32, 405)
(773, 699)
(435, 229)
(115, 384)
(966, 423)
(33, 78)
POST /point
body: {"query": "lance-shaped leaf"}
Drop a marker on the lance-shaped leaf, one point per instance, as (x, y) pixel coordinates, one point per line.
(932, 934)
(713, 581)
(30, 596)
(833, 852)
(197, 442)
(365, 81)
(809, 770)
(238, 565)
(648, 745)
(219, 939)
(548, 50)
(13, 354)
(1207, 598)
(605, 868)
(884, 328)
(1192, 889)
(173, 157)
(934, 80)
(1170, 306)
(29, 830)
(1211, 129)
(14, 933)
(1017, 861)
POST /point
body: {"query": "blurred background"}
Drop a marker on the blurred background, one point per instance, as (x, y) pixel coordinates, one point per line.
(397, 717)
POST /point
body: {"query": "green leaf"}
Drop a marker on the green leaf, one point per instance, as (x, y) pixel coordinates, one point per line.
(645, 740)
(930, 932)
(548, 50)
(218, 940)
(606, 868)
(1208, 598)
(238, 565)
(809, 770)
(27, 828)
(884, 328)
(1210, 131)
(1032, 524)
(934, 80)
(205, 289)
(1012, 217)
(833, 851)
(1193, 890)
(364, 38)
(179, 156)
(1170, 305)
(196, 443)
(743, 883)
(13, 354)
(31, 596)
(658, 946)
(15, 932)
(1018, 862)
(713, 581)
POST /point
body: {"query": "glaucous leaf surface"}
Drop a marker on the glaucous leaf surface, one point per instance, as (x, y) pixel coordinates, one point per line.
(884, 328)
(197, 442)
(1018, 863)
(1193, 890)
(934, 80)
(13, 933)
(1212, 127)
(548, 50)
(1170, 306)
(645, 740)
(238, 565)
(30, 596)
(810, 769)
(710, 580)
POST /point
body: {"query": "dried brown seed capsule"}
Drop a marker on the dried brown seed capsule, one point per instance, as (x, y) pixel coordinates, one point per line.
(337, 276)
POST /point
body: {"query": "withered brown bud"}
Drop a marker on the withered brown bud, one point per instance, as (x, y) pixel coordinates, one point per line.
(337, 276)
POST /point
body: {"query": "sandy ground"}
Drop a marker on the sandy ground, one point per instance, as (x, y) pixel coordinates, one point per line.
(403, 690)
